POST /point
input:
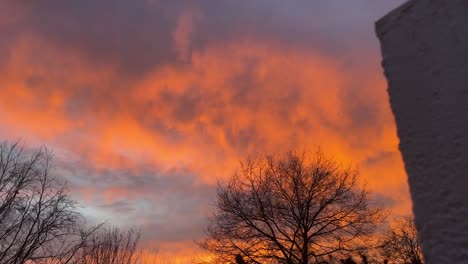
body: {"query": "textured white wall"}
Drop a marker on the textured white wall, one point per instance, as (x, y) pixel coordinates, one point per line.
(424, 45)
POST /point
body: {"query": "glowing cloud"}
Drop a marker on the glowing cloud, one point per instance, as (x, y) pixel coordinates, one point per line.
(145, 122)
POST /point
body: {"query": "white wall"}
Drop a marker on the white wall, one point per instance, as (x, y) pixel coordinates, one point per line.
(424, 45)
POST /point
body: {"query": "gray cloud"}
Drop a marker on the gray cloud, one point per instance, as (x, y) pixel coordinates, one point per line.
(171, 204)
(137, 35)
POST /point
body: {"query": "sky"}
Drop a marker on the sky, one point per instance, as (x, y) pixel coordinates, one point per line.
(147, 104)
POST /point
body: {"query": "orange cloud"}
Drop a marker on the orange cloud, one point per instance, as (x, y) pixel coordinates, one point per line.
(204, 116)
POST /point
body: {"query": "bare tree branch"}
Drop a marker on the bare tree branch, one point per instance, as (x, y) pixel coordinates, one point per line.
(401, 244)
(35, 208)
(297, 209)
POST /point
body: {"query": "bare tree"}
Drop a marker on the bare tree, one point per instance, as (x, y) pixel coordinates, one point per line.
(36, 212)
(239, 259)
(299, 209)
(110, 246)
(40, 222)
(401, 243)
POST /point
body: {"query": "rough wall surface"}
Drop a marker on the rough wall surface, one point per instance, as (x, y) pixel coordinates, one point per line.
(424, 45)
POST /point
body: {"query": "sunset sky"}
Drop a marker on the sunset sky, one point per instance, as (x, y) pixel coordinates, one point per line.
(147, 103)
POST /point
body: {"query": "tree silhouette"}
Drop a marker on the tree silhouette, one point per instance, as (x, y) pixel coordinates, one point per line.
(348, 260)
(240, 259)
(364, 259)
(296, 209)
(109, 245)
(38, 219)
(40, 223)
(401, 243)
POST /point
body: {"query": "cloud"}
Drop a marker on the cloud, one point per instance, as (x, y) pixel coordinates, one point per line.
(139, 35)
(183, 32)
(148, 103)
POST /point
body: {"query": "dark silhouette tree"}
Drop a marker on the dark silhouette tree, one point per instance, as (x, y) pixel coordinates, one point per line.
(38, 219)
(297, 209)
(40, 223)
(240, 259)
(401, 243)
(110, 245)
(364, 259)
(348, 260)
